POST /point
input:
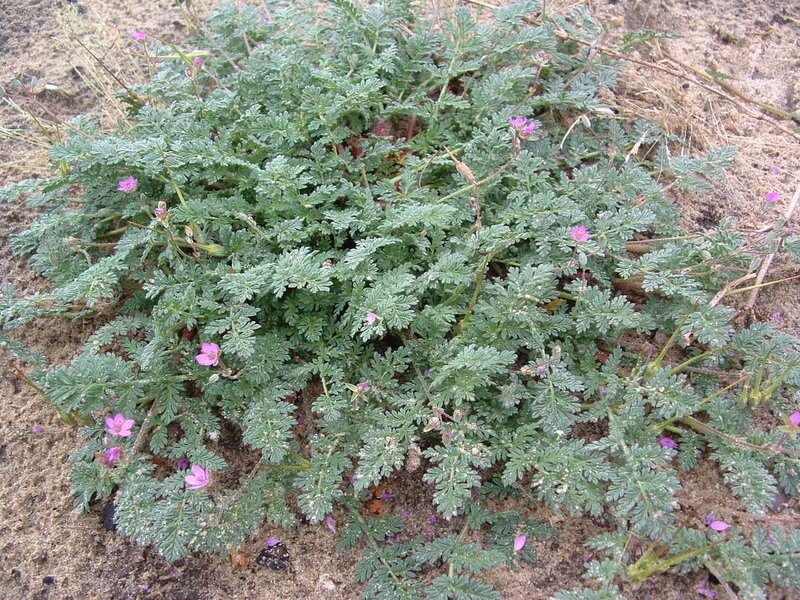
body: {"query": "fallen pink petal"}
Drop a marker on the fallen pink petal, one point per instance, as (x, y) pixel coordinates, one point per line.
(38, 429)
(139, 35)
(719, 525)
(772, 197)
(330, 523)
(129, 184)
(519, 542)
(119, 425)
(794, 419)
(706, 591)
(199, 478)
(272, 541)
(774, 170)
(209, 355)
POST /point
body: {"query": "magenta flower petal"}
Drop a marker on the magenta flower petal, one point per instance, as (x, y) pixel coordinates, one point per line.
(209, 355)
(363, 386)
(794, 419)
(517, 122)
(330, 523)
(139, 35)
(128, 184)
(719, 525)
(580, 234)
(198, 62)
(272, 541)
(206, 360)
(772, 197)
(668, 442)
(371, 318)
(519, 542)
(209, 348)
(38, 429)
(530, 128)
(112, 455)
(119, 425)
(199, 478)
(706, 591)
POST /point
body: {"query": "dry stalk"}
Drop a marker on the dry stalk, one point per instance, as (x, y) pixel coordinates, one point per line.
(768, 261)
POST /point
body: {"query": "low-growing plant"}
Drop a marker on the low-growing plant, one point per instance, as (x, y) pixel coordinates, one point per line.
(434, 243)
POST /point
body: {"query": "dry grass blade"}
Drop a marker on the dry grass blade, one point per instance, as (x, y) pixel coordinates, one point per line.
(768, 261)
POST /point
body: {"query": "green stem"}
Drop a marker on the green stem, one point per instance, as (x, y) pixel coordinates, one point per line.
(648, 565)
(451, 568)
(656, 364)
(694, 359)
(375, 547)
(706, 400)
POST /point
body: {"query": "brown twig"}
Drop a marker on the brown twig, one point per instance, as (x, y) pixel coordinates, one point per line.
(705, 428)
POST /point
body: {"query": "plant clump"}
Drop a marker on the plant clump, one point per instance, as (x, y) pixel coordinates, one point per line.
(429, 242)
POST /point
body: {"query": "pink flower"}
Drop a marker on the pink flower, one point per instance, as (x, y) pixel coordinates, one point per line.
(199, 478)
(363, 386)
(668, 442)
(139, 35)
(330, 523)
(119, 425)
(112, 455)
(161, 212)
(530, 128)
(371, 317)
(272, 541)
(38, 429)
(517, 122)
(772, 197)
(519, 542)
(128, 184)
(183, 464)
(580, 234)
(198, 62)
(794, 419)
(209, 355)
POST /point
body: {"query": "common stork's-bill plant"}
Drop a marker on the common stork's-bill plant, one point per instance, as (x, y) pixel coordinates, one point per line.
(434, 244)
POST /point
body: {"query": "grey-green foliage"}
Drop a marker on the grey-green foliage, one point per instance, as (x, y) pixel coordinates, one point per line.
(309, 177)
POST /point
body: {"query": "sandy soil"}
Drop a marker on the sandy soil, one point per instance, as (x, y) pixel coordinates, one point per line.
(49, 551)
